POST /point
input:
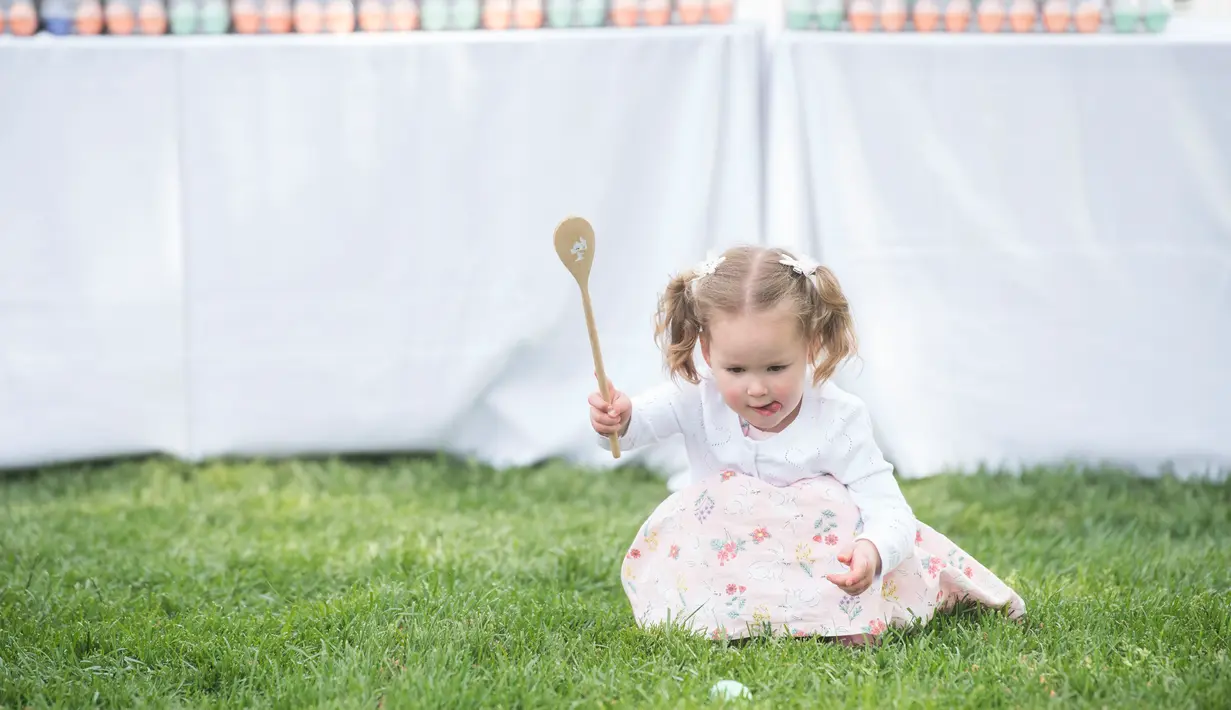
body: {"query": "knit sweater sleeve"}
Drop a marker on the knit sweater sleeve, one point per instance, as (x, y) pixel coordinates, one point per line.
(659, 413)
(855, 459)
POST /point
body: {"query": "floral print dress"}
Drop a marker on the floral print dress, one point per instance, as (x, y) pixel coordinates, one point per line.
(733, 557)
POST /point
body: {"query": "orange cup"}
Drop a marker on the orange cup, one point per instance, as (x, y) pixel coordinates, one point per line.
(1089, 17)
(119, 19)
(657, 12)
(957, 16)
(1023, 15)
(308, 18)
(991, 16)
(862, 16)
(691, 12)
(152, 18)
(624, 13)
(278, 16)
(339, 17)
(893, 15)
(403, 15)
(372, 16)
(23, 20)
(926, 15)
(1056, 19)
(497, 14)
(527, 14)
(89, 19)
(246, 18)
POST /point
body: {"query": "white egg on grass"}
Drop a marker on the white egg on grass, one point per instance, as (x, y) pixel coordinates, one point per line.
(730, 690)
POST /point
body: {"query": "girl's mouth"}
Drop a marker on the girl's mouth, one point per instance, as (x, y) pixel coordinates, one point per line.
(768, 410)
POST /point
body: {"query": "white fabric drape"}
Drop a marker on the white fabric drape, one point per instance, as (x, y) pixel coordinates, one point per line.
(91, 299)
(1035, 233)
(282, 245)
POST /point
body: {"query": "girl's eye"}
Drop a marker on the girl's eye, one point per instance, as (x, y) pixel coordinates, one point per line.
(735, 370)
(777, 368)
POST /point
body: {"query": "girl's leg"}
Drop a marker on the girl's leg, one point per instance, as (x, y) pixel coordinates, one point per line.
(857, 640)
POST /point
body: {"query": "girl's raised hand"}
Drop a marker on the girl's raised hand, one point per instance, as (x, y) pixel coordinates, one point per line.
(610, 418)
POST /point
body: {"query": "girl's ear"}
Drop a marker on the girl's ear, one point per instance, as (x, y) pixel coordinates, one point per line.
(705, 352)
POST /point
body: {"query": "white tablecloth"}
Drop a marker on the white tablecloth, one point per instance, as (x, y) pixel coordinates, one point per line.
(282, 245)
(247, 245)
(1035, 233)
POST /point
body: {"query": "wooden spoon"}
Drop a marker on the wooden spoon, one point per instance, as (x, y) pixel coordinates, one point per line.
(575, 246)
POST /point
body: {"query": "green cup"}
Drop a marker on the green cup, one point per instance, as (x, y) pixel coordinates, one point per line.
(830, 20)
(183, 16)
(466, 14)
(434, 15)
(1156, 21)
(590, 13)
(559, 13)
(1125, 21)
(215, 17)
(799, 20)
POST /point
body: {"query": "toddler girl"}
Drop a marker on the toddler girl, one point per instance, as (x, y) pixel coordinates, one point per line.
(793, 522)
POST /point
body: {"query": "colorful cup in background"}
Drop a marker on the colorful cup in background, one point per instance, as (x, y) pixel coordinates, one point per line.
(990, 15)
(1023, 15)
(926, 15)
(957, 15)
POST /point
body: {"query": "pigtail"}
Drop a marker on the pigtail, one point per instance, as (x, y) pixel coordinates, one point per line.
(677, 327)
(832, 328)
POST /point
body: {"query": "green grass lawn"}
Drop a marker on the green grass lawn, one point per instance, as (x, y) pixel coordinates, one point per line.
(432, 583)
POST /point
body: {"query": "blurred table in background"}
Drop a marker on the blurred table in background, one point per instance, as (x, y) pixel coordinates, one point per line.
(309, 244)
(274, 245)
(1035, 233)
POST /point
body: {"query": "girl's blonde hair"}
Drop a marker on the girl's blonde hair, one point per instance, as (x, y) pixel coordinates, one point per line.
(751, 279)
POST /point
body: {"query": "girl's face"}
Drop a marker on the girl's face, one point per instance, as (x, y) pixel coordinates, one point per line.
(759, 362)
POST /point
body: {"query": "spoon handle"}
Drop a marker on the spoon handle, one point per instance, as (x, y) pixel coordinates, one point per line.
(603, 386)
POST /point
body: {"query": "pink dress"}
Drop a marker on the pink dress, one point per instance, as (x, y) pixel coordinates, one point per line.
(732, 556)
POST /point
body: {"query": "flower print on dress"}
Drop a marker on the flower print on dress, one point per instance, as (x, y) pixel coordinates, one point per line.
(736, 599)
(850, 606)
(752, 563)
(803, 555)
(889, 590)
(703, 506)
(825, 523)
(727, 548)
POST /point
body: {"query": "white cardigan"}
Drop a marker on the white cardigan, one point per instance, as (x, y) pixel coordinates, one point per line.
(832, 434)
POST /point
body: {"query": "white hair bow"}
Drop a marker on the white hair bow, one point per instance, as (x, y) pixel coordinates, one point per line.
(803, 265)
(706, 268)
